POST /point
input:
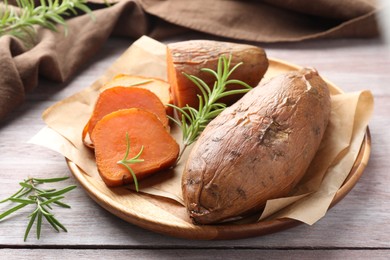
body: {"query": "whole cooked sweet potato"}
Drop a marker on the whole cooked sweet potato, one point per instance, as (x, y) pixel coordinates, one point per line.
(257, 149)
(191, 56)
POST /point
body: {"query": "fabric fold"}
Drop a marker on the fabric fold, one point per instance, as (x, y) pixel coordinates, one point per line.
(58, 57)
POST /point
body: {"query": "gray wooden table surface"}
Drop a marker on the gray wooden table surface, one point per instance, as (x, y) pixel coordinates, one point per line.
(356, 228)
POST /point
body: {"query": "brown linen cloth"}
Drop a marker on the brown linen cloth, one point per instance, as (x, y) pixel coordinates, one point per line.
(57, 57)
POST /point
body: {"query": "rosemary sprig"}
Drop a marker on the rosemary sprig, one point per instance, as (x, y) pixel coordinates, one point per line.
(126, 162)
(143, 82)
(43, 199)
(193, 121)
(20, 23)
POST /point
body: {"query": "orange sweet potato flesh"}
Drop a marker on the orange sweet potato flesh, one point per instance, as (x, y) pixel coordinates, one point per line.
(190, 56)
(144, 129)
(115, 98)
(157, 86)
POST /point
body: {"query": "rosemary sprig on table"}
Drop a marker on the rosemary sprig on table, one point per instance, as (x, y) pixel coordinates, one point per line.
(42, 199)
(193, 121)
(126, 162)
(20, 23)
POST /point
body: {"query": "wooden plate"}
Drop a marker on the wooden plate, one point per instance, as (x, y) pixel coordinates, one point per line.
(169, 217)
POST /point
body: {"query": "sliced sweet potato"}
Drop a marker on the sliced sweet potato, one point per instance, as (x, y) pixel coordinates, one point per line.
(190, 56)
(116, 98)
(157, 86)
(145, 130)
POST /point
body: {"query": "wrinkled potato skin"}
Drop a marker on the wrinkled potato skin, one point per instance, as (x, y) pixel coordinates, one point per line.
(191, 56)
(257, 149)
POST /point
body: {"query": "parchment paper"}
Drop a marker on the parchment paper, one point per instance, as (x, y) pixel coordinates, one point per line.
(146, 57)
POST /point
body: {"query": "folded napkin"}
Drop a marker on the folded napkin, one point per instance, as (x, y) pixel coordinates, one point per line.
(57, 57)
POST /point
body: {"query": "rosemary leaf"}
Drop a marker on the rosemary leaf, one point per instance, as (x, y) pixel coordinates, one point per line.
(39, 225)
(12, 210)
(58, 193)
(58, 223)
(126, 162)
(50, 180)
(61, 204)
(48, 218)
(193, 121)
(26, 185)
(44, 206)
(52, 200)
(13, 196)
(30, 223)
(22, 201)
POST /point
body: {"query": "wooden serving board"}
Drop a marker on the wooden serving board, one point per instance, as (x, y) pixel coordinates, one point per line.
(169, 217)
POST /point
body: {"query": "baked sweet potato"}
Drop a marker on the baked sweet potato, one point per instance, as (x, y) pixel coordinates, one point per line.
(157, 86)
(143, 129)
(257, 149)
(191, 56)
(116, 98)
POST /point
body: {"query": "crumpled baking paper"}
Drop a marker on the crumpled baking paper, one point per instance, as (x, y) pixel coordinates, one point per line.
(146, 57)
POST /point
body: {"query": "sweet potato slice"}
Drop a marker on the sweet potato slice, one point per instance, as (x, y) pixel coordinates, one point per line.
(190, 56)
(116, 98)
(157, 86)
(143, 128)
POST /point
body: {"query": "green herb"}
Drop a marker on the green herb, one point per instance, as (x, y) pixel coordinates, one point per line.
(42, 199)
(140, 83)
(20, 23)
(193, 121)
(125, 162)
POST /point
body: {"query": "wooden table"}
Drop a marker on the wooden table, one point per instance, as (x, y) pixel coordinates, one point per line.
(357, 227)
